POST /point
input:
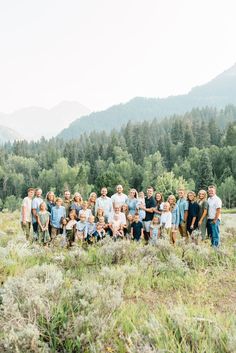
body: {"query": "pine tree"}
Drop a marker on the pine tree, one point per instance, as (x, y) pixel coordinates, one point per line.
(205, 174)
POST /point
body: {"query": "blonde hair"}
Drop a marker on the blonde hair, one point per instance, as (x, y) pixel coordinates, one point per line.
(191, 193)
(172, 206)
(77, 194)
(198, 196)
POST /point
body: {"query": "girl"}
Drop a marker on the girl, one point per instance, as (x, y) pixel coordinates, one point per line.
(124, 209)
(159, 204)
(43, 218)
(127, 226)
(76, 203)
(50, 201)
(100, 213)
(174, 219)
(202, 214)
(166, 219)
(193, 210)
(85, 210)
(155, 230)
(71, 228)
(92, 202)
(116, 227)
(141, 202)
(132, 201)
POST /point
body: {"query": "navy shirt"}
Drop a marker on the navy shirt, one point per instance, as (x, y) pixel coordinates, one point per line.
(193, 211)
(137, 229)
(149, 203)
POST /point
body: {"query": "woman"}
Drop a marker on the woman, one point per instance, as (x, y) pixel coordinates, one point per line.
(159, 204)
(175, 218)
(76, 203)
(132, 201)
(202, 214)
(92, 202)
(50, 201)
(193, 209)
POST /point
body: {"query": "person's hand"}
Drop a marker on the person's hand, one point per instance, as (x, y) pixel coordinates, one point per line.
(191, 227)
(24, 223)
(200, 223)
(214, 221)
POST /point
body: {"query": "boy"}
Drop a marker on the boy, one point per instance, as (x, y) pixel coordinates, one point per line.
(136, 228)
(57, 215)
(81, 228)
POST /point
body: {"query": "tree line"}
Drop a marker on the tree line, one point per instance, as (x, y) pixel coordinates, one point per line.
(190, 151)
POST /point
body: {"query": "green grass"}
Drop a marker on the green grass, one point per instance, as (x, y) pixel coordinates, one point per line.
(117, 297)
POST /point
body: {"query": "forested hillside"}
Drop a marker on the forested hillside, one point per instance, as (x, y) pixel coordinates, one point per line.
(191, 150)
(217, 93)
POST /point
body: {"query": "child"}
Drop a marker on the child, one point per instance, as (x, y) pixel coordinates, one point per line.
(57, 215)
(116, 227)
(166, 219)
(101, 220)
(141, 202)
(125, 209)
(100, 213)
(87, 211)
(71, 227)
(99, 232)
(127, 226)
(90, 229)
(137, 228)
(155, 230)
(43, 218)
(81, 228)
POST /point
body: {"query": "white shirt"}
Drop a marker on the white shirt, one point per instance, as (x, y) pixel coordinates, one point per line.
(105, 203)
(27, 203)
(87, 213)
(214, 202)
(119, 199)
(166, 218)
(121, 215)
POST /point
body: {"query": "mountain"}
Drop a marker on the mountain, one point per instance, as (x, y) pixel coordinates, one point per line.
(217, 93)
(34, 122)
(7, 134)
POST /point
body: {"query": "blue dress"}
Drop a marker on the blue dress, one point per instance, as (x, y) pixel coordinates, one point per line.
(132, 205)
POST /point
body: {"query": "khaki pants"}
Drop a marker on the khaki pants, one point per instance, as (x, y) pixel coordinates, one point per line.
(26, 229)
(183, 230)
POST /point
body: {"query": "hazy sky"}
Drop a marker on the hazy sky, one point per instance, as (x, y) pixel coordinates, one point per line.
(102, 52)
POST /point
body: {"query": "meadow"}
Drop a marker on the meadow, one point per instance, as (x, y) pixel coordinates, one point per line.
(117, 296)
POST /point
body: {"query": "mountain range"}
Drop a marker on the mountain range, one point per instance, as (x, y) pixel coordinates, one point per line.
(34, 122)
(217, 93)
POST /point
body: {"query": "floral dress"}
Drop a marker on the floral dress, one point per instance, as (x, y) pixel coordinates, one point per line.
(44, 236)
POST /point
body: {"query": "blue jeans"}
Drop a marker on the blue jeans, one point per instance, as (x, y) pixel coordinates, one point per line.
(213, 230)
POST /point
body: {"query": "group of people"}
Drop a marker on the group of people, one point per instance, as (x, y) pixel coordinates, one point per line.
(133, 216)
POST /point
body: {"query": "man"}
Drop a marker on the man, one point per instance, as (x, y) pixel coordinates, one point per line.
(214, 216)
(183, 213)
(119, 199)
(104, 202)
(150, 203)
(35, 209)
(26, 214)
(67, 201)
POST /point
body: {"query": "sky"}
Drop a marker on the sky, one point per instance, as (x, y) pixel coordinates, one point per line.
(103, 52)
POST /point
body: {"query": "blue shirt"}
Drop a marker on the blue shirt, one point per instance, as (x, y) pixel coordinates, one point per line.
(132, 205)
(81, 226)
(35, 205)
(175, 216)
(57, 214)
(90, 229)
(183, 206)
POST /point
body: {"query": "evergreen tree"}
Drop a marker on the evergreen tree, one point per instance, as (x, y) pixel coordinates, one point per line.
(205, 174)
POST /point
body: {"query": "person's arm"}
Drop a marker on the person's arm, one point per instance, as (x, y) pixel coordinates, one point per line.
(38, 221)
(203, 216)
(217, 215)
(132, 231)
(47, 223)
(24, 213)
(151, 232)
(142, 235)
